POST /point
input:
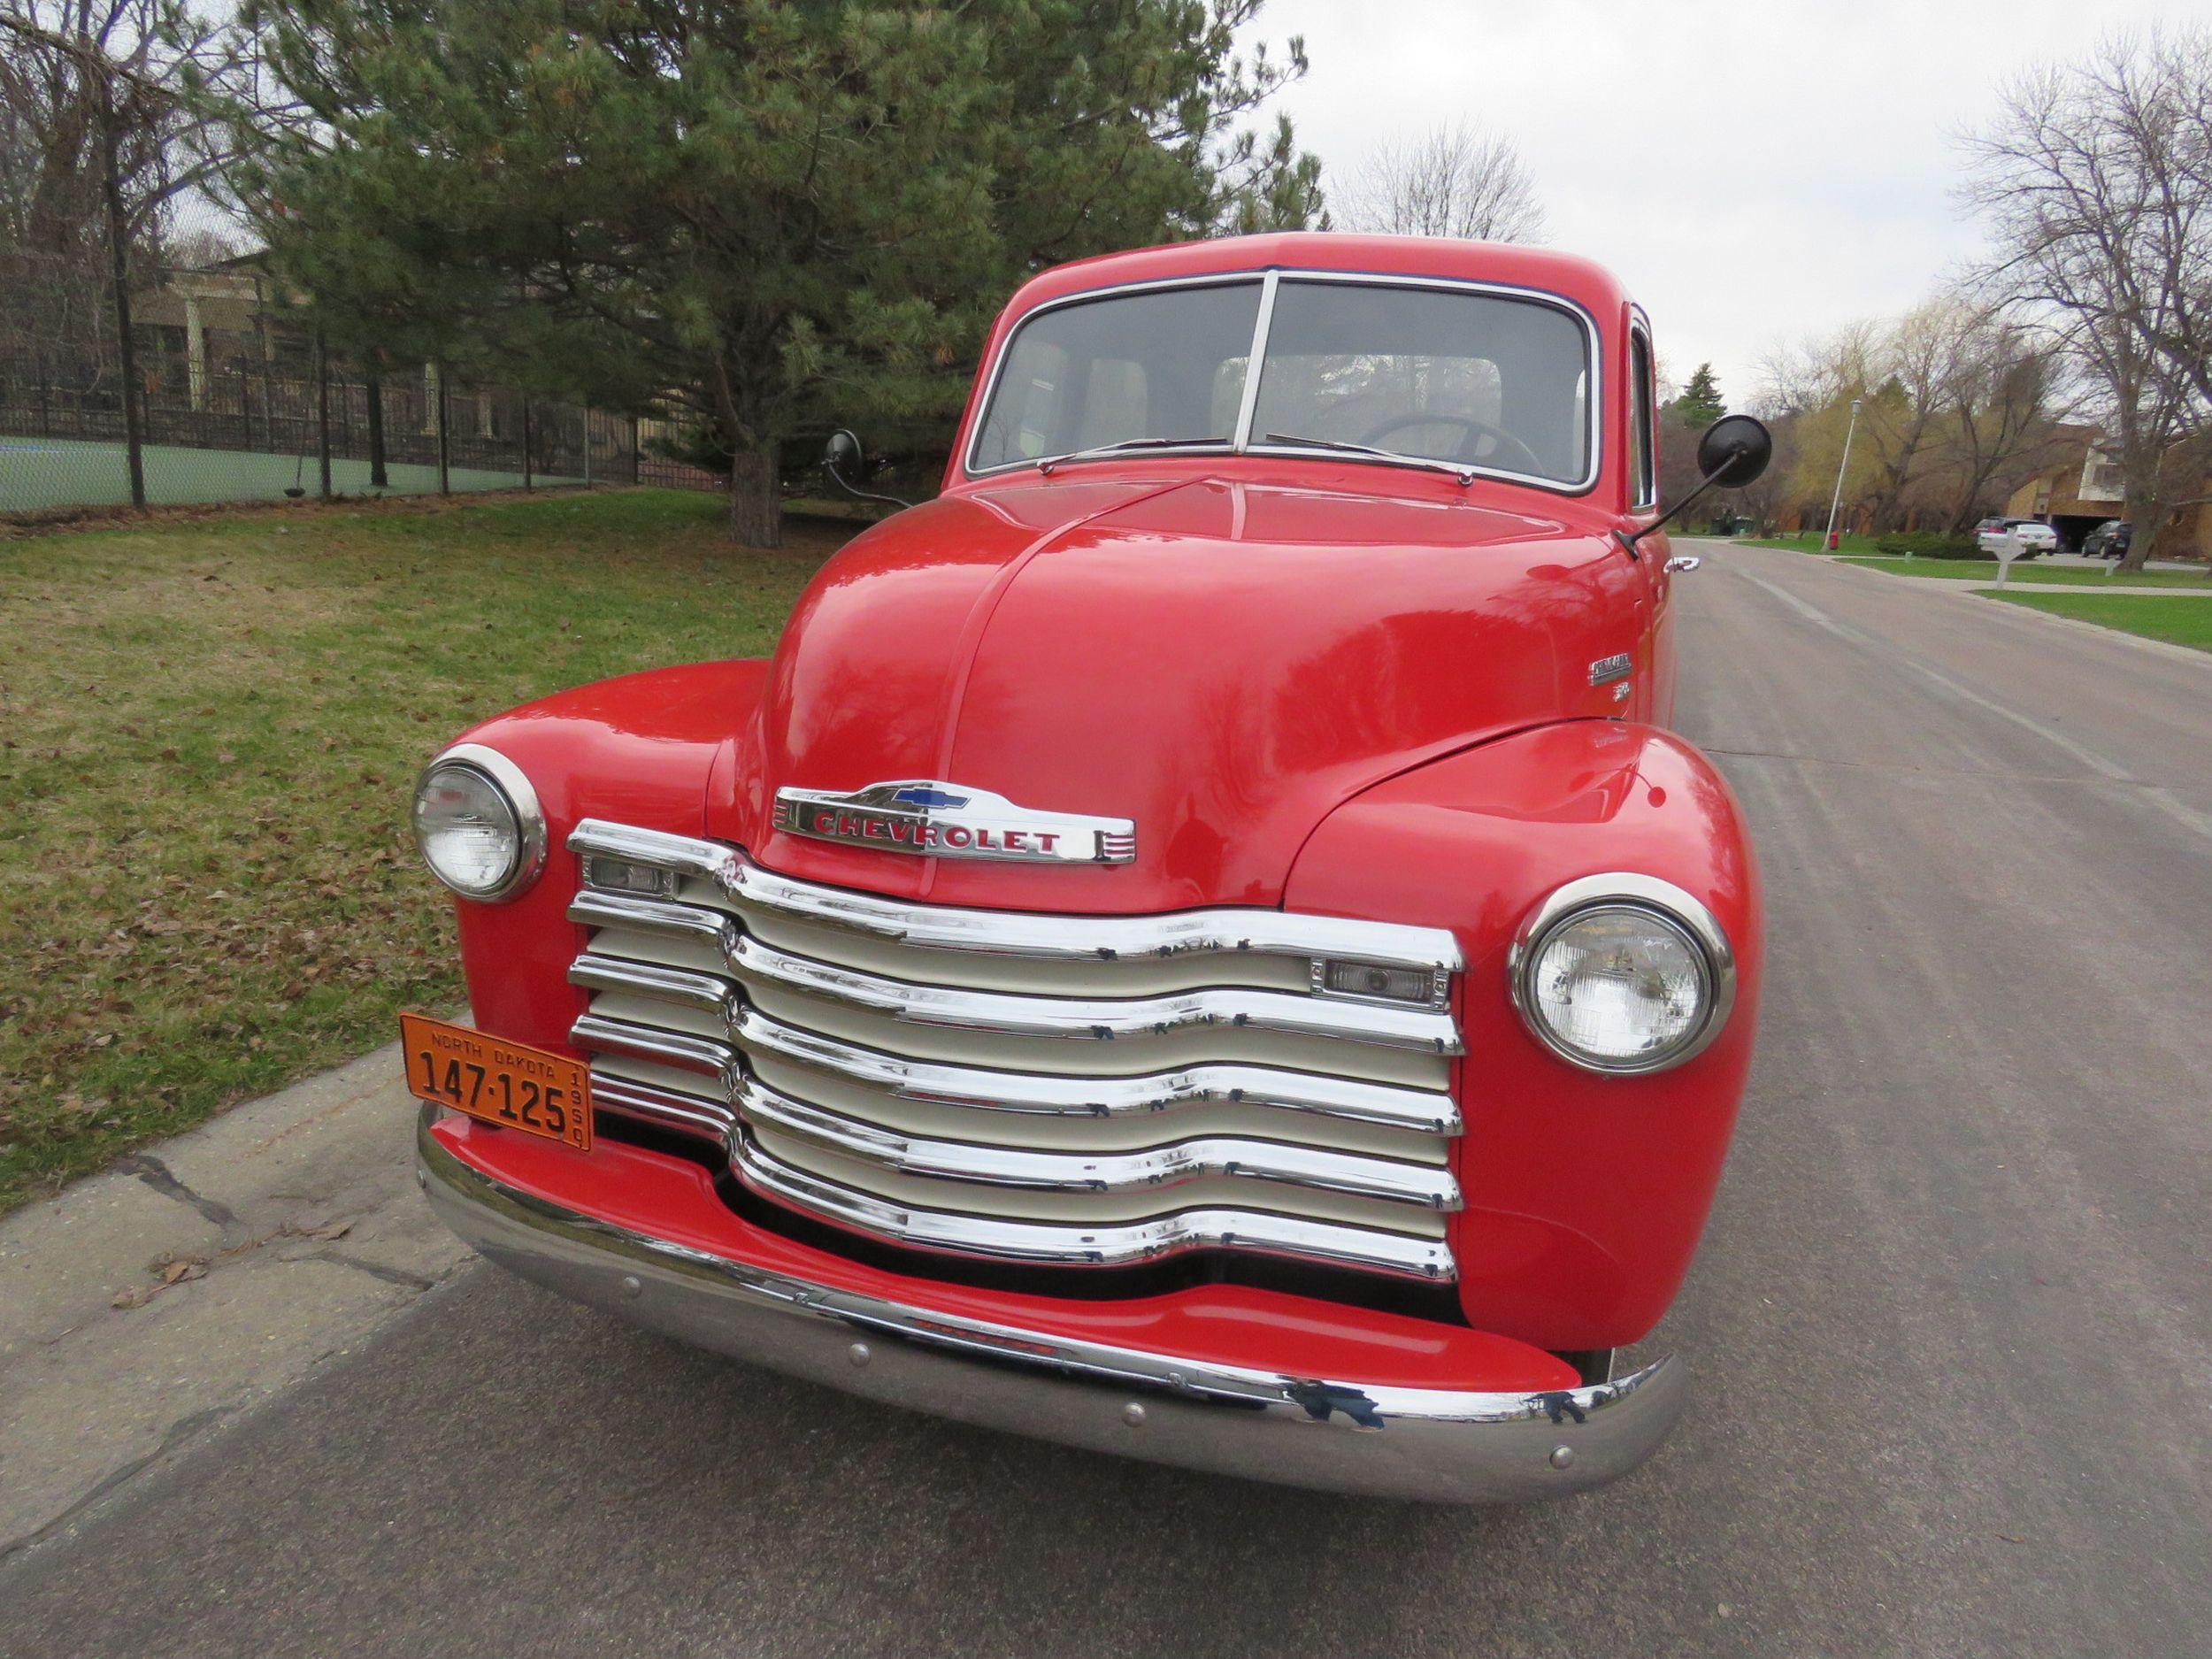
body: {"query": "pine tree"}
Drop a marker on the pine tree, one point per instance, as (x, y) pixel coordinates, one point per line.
(772, 213)
(1701, 404)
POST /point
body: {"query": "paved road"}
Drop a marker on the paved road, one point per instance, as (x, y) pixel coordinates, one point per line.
(1951, 1322)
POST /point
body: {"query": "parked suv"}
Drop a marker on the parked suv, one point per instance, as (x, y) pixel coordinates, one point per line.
(2035, 535)
(2108, 541)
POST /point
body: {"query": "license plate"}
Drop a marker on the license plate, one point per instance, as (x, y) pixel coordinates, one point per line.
(509, 1084)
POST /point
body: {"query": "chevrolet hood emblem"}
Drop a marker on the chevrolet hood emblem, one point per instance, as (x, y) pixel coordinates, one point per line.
(950, 820)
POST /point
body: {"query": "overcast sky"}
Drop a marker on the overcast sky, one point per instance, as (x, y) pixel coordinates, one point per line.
(1753, 171)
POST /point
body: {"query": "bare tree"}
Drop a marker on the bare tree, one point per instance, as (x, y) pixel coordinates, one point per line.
(2097, 182)
(78, 78)
(1956, 406)
(2004, 414)
(1455, 180)
(98, 137)
(1901, 420)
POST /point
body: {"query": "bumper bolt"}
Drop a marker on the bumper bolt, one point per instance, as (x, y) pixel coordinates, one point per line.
(858, 1354)
(1133, 1414)
(1562, 1456)
(630, 1285)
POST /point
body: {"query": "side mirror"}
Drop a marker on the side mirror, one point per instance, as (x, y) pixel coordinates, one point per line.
(843, 460)
(1734, 451)
(842, 454)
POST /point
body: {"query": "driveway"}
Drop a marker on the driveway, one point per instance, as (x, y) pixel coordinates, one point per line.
(1950, 1325)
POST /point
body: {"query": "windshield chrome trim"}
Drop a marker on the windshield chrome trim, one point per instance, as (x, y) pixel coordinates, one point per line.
(1256, 357)
(1271, 279)
(1119, 290)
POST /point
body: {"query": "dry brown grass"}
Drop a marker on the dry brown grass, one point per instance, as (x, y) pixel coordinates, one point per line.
(208, 732)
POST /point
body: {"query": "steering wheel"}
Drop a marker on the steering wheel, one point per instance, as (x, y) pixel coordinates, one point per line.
(1473, 428)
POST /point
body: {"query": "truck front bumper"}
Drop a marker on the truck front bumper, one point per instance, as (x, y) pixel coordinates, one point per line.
(1334, 1433)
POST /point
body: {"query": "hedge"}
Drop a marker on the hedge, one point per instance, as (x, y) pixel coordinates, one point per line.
(1928, 545)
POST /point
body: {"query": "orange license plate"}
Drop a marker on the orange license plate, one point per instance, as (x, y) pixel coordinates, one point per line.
(509, 1084)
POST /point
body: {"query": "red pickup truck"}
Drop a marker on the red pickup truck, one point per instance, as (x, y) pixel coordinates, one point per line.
(1200, 944)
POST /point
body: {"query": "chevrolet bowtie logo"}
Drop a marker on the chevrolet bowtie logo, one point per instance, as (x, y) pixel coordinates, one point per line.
(943, 820)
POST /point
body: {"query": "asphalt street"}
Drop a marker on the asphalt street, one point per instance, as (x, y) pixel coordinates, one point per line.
(1951, 1323)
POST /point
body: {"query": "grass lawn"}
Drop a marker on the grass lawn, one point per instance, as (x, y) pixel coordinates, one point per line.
(1812, 542)
(2180, 621)
(209, 733)
(2036, 575)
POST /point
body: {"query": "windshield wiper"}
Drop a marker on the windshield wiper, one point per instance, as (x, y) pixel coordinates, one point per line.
(1464, 474)
(1051, 461)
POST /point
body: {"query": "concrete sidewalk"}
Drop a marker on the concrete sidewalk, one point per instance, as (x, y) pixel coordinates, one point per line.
(140, 1307)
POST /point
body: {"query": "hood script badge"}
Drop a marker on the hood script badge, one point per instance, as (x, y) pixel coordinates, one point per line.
(950, 820)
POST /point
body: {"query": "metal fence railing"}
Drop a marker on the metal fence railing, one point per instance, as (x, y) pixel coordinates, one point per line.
(234, 401)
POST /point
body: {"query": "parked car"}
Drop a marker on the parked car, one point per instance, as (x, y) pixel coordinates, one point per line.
(2108, 541)
(2035, 535)
(1201, 943)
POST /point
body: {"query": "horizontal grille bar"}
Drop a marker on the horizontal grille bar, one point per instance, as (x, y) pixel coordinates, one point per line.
(1013, 933)
(643, 1103)
(1097, 1019)
(681, 1050)
(1079, 1090)
(1037, 1093)
(1427, 1186)
(708, 993)
(1122, 1245)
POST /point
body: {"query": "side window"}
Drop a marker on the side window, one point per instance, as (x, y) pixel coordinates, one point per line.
(1643, 454)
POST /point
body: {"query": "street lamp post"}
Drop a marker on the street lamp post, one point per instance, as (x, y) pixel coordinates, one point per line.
(1836, 500)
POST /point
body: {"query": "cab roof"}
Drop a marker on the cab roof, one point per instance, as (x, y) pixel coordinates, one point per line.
(1583, 281)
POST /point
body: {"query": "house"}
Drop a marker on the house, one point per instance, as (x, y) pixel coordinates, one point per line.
(2082, 488)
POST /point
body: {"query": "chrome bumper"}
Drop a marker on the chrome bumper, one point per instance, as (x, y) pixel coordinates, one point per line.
(1434, 1445)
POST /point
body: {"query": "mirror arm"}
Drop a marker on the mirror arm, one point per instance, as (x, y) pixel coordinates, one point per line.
(857, 493)
(1628, 542)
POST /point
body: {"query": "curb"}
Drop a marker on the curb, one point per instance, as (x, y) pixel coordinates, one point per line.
(140, 1307)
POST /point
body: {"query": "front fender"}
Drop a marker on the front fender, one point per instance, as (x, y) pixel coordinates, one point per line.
(643, 748)
(1585, 1194)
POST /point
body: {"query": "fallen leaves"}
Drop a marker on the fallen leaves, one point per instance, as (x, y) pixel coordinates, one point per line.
(171, 1270)
(176, 1269)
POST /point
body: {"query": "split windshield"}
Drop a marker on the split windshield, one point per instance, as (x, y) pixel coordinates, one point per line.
(1484, 381)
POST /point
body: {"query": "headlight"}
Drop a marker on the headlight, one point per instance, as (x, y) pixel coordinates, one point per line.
(478, 823)
(1623, 973)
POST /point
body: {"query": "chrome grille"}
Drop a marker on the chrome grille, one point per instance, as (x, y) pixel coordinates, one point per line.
(1085, 1091)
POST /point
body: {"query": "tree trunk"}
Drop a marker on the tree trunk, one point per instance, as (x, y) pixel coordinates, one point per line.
(755, 502)
(2144, 512)
(378, 477)
(120, 271)
(322, 416)
(445, 448)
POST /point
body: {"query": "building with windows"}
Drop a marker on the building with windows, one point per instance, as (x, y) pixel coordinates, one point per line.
(2082, 488)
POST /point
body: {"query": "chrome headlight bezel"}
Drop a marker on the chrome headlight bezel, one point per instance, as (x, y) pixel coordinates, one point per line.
(513, 787)
(1660, 900)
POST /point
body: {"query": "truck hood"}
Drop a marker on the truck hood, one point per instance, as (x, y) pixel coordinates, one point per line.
(1221, 661)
